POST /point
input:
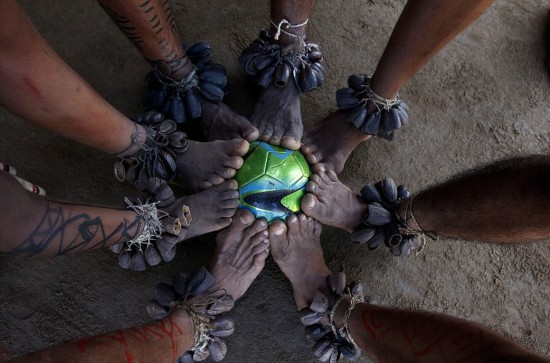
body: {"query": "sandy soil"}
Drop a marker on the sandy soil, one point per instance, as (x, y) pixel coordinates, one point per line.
(484, 97)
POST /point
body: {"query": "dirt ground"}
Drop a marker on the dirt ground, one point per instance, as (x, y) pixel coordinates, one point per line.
(484, 97)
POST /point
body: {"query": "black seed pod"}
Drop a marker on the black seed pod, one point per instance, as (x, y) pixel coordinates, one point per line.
(199, 50)
(308, 80)
(371, 194)
(177, 110)
(358, 116)
(211, 92)
(363, 235)
(152, 256)
(192, 105)
(376, 240)
(263, 61)
(282, 74)
(356, 82)
(215, 67)
(219, 79)
(266, 77)
(372, 124)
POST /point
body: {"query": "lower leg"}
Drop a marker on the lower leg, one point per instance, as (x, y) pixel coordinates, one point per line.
(150, 26)
(277, 114)
(423, 28)
(390, 334)
(161, 341)
(507, 201)
(387, 334)
(34, 75)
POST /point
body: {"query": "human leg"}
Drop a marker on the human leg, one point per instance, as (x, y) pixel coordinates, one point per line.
(150, 26)
(280, 61)
(423, 28)
(239, 258)
(506, 201)
(61, 101)
(387, 334)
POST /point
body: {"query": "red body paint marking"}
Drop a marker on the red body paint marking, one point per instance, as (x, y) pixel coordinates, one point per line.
(31, 87)
(128, 356)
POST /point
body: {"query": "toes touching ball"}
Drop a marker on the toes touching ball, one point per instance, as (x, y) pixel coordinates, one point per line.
(272, 181)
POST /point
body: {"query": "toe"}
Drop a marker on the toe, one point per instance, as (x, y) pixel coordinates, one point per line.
(260, 248)
(251, 133)
(259, 238)
(238, 147)
(243, 218)
(311, 158)
(229, 204)
(290, 142)
(258, 226)
(266, 132)
(332, 175)
(316, 179)
(293, 225)
(226, 213)
(205, 185)
(305, 149)
(317, 228)
(311, 187)
(226, 186)
(226, 173)
(259, 259)
(310, 225)
(309, 202)
(232, 194)
(302, 224)
(234, 162)
(318, 168)
(215, 180)
(277, 235)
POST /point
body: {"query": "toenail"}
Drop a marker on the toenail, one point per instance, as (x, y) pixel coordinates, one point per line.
(279, 231)
(309, 219)
(302, 217)
(265, 233)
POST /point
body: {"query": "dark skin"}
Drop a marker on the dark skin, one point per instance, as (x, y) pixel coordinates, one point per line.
(241, 250)
(507, 201)
(386, 334)
(424, 27)
(150, 26)
(64, 103)
(44, 227)
(277, 113)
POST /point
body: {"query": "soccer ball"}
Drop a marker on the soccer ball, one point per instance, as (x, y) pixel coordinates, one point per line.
(272, 181)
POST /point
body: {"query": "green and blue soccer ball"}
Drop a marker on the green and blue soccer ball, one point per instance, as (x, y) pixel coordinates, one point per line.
(272, 181)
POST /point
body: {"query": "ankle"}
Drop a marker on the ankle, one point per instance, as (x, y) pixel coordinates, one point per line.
(356, 211)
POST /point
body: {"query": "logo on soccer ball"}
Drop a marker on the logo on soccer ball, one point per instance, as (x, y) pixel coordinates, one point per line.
(272, 181)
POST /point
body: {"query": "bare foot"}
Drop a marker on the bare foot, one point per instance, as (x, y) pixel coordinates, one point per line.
(277, 116)
(212, 209)
(219, 122)
(241, 250)
(206, 164)
(331, 141)
(331, 202)
(296, 247)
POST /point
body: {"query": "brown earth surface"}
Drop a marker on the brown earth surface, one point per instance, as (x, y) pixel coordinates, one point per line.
(484, 97)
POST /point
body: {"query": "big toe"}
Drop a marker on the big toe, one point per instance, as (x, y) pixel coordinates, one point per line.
(308, 204)
(236, 147)
(277, 237)
(250, 133)
(290, 142)
(242, 220)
